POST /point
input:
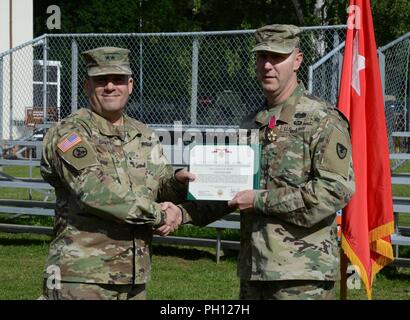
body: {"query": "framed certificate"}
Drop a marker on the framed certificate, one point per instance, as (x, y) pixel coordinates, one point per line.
(223, 170)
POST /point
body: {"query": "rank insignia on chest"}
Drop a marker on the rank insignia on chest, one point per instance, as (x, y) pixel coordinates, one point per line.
(271, 135)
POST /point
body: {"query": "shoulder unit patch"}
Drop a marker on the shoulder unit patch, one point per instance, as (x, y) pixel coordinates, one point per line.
(80, 152)
(341, 150)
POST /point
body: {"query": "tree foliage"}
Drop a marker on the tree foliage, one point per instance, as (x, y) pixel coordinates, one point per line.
(391, 17)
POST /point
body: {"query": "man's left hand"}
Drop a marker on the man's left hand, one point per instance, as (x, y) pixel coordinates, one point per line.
(184, 176)
(243, 200)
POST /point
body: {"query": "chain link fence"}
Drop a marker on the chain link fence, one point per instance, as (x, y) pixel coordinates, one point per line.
(199, 79)
(325, 74)
(394, 61)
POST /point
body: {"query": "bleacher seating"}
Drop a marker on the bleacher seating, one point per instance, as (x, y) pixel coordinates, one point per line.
(46, 208)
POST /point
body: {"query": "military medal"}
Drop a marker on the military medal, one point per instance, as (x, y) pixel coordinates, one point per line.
(271, 132)
(272, 122)
(271, 135)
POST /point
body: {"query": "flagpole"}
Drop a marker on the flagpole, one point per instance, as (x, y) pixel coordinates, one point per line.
(343, 276)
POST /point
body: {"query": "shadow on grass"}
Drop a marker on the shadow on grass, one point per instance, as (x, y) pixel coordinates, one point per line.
(191, 253)
(394, 273)
(404, 252)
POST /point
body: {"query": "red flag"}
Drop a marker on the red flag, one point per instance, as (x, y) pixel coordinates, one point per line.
(368, 219)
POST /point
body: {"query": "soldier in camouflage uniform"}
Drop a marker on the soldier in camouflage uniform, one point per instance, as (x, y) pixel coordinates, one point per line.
(108, 171)
(289, 247)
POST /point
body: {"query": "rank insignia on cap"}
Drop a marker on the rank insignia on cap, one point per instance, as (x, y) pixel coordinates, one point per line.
(70, 141)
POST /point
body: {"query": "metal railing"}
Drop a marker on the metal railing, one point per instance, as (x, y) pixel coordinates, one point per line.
(394, 62)
(394, 59)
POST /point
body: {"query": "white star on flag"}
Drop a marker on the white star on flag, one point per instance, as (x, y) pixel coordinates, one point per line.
(358, 64)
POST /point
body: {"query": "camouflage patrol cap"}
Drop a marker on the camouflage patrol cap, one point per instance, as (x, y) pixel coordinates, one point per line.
(277, 38)
(107, 60)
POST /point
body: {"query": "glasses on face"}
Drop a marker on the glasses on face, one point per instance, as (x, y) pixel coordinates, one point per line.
(114, 79)
(271, 56)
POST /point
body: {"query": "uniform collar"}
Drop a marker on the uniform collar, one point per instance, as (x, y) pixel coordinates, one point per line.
(283, 111)
(125, 132)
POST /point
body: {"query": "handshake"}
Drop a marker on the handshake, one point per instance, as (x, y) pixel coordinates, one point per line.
(243, 200)
(172, 221)
(173, 213)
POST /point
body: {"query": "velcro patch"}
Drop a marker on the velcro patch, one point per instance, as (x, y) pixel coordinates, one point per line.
(300, 115)
(82, 156)
(341, 150)
(69, 141)
(80, 152)
(336, 157)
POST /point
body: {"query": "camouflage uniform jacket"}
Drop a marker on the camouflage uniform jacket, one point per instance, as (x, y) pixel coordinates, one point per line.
(107, 179)
(306, 176)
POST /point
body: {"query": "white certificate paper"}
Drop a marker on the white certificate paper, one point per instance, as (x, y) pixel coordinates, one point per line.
(221, 171)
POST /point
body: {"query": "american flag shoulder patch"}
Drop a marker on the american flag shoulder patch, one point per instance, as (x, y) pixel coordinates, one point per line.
(69, 141)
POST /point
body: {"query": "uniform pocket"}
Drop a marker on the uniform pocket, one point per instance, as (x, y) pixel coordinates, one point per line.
(152, 184)
(291, 159)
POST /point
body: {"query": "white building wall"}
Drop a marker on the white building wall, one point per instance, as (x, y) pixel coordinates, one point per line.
(16, 70)
(4, 25)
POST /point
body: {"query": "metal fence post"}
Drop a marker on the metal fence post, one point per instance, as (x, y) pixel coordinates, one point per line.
(11, 97)
(340, 66)
(335, 76)
(141, 79)
(310, 80)
(74, 76)
(1, 99)
(408, 98)
(382, 67)
(45, 43)
(194, 90)
(407, 94)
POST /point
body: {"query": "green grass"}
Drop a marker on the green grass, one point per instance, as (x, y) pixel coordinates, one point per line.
(177, 273)
(390, 284)
(20, 193)
(22, 257)
(208, 233)
(22, 171)
(192, 273)
(27, 220)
